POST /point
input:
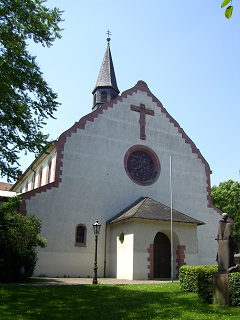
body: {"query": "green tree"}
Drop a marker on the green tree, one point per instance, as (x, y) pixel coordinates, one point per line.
(19, 236)
(229, 9)
(26, 100)
(226, 197)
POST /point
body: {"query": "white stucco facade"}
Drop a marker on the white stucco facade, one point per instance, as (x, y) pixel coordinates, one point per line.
(130, 259)
(90, 182)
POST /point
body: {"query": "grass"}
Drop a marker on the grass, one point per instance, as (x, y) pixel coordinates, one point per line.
(149, 301)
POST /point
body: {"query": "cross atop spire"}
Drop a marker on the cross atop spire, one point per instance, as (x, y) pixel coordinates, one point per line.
(106, 88)
(108, 34)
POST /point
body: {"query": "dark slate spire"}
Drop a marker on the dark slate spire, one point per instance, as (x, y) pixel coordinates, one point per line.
(106, 88)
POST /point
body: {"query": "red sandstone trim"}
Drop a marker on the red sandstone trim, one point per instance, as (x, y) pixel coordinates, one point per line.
(180, 252)
(23, 208)
(27, 195)
(150, 260)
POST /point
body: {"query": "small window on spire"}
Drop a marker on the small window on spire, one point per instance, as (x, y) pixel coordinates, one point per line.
(104, 96)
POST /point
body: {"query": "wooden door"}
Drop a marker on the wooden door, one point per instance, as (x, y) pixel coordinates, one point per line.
(162, 256)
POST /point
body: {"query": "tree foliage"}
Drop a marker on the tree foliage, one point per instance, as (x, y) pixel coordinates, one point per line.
(226, 197)
(26, 100)
(229, 9)
(19, 236)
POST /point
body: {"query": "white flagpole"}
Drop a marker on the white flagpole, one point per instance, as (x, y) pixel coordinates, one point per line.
(171, 195)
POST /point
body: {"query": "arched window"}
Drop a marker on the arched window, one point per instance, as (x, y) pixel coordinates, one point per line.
(33, 179)
(39, 177)
(49, 170)
(80, 236)
(104, 96)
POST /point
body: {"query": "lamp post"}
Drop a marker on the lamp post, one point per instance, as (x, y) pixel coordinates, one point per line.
(96, 230)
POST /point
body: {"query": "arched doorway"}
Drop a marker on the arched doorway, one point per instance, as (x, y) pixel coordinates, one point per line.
(162, 256)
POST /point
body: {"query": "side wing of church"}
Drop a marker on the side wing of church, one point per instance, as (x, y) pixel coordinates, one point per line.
(114, 165)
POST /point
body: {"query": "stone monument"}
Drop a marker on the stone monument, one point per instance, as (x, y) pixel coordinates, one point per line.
(225, 256)
(225, 259)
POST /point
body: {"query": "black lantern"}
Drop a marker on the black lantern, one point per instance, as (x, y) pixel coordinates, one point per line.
(96, 230)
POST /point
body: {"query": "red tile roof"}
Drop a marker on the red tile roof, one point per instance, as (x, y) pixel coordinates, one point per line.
(5, 186)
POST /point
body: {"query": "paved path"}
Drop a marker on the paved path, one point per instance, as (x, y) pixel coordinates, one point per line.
(78, 281)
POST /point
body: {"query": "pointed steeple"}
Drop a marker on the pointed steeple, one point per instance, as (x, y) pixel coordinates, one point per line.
(106, 88)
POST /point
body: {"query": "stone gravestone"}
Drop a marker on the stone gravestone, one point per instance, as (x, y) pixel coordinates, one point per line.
(225, 259)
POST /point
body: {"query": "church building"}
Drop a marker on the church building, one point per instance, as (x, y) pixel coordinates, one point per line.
(130, 165)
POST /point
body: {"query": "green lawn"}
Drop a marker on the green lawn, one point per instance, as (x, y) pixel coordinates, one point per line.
(114, 302)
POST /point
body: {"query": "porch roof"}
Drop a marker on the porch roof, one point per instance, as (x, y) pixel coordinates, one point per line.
(147, 208)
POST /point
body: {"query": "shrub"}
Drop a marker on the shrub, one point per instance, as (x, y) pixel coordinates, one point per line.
(198, 279)
(234, 288)
(19, 236)
(205, 282)
(188, 278)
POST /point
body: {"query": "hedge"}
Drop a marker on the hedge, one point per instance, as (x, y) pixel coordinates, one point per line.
(188, 278)
(234, 288)
(198, 279)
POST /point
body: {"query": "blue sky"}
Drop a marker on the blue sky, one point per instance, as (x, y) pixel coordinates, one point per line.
(186, 51)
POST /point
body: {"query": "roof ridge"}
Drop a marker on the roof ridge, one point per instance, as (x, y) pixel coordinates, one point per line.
(132, 205)
(140, 205)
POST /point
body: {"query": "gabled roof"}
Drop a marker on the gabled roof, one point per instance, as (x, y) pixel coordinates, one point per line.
(5, 186)
(147, 208)
(106, 77)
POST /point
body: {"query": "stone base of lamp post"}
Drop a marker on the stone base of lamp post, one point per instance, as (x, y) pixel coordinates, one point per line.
(95, 281)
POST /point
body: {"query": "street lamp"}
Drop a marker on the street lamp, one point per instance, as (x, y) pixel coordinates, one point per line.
(96, 230)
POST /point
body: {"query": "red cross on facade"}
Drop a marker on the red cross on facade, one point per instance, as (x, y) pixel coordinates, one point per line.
(143, 111)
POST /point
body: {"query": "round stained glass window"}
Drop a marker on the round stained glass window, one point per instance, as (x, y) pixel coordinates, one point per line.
(142, 165)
